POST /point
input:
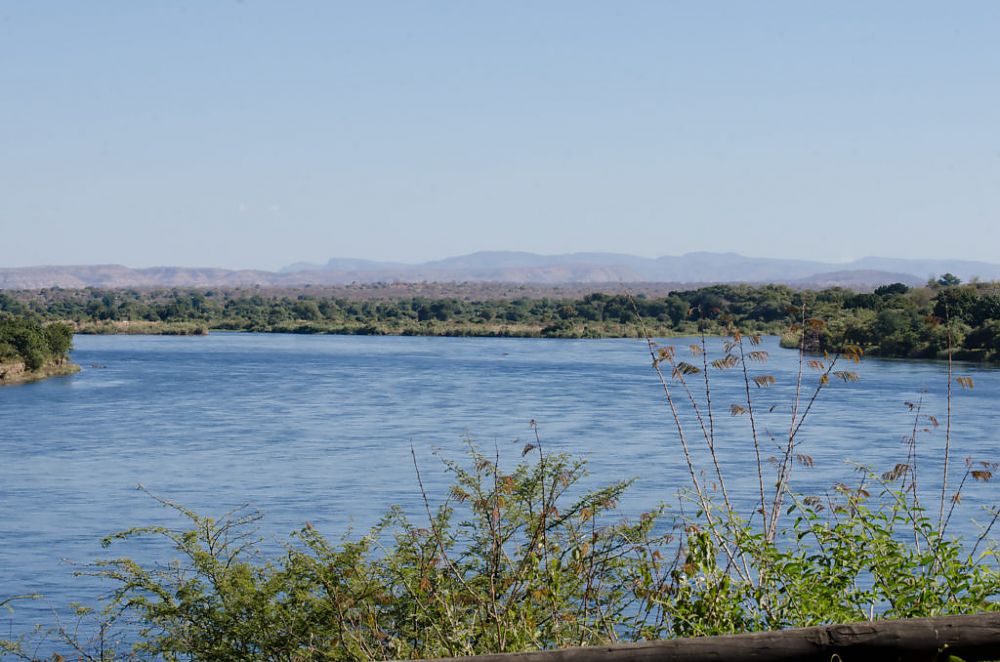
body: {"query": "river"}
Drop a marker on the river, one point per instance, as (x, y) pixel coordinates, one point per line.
(319, 429)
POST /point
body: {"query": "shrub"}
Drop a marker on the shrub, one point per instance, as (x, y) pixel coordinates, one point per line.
(28, 341)
(510, 561)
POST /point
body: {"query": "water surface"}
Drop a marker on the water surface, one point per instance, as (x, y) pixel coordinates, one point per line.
(319, 429)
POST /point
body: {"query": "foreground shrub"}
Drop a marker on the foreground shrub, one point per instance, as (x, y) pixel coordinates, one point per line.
(500, 567)
(509, 562)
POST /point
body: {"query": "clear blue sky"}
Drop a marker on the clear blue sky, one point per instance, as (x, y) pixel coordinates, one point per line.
(255, 134)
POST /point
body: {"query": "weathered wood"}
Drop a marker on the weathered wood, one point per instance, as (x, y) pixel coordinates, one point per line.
(972, 637)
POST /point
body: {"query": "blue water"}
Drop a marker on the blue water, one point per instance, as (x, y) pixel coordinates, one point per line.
(319, 429)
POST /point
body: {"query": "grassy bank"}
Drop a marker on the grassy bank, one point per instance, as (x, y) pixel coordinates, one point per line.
(15, 373)
(433, 328)
(140, 328)
(471, 329)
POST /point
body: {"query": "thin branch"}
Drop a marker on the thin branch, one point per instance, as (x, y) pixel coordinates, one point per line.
(947, 429)
(753, 429)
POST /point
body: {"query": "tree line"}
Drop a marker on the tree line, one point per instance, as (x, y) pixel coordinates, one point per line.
(895, 320)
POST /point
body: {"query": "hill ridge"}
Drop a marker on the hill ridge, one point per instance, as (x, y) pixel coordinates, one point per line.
(516, 267)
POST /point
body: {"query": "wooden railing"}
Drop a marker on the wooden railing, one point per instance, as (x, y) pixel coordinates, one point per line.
(974, 637)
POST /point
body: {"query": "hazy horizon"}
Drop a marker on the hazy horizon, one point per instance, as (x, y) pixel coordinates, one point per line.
(247, 135)
(412, 263)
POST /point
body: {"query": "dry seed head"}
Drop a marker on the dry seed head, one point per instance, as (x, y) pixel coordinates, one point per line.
(898, 471)
(726, 362)
(685, 368)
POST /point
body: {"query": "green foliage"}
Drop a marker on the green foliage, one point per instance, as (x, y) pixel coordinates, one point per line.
(31, 342)
(894, 320)
(514, 562)
(59, 339)
(985, 337)
(509, 562)
(891, 289)
(853, 559)
(948, 280)
(849, 555)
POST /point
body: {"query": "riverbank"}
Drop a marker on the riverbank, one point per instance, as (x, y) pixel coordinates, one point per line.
(432, 329)
(462, 329)
(979, 355)
(16, 373)
(138, 328)
(894, 321)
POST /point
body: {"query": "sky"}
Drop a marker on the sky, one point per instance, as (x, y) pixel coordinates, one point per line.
(256, 134)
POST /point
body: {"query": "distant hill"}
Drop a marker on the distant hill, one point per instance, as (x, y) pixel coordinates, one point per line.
(518, 267)
(116, 275)
(860, 279)
(509, 266)
(342, 264)
(964, 269)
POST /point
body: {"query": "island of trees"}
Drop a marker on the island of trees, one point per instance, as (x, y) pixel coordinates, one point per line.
(893, 321)
(30, 350)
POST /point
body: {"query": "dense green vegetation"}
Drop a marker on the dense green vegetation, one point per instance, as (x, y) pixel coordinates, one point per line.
(894, 320)
(518, 557)
(32, 343)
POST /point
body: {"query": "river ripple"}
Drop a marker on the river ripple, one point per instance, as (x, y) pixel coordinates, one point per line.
(319, 428)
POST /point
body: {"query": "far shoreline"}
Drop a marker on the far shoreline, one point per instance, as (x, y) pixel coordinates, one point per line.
(526, 333)
(434, 330)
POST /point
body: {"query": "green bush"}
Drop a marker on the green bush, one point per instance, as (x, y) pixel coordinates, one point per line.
(35, 344)
(511, 561)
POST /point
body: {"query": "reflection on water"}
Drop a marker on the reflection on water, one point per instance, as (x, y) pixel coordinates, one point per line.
(319, 428)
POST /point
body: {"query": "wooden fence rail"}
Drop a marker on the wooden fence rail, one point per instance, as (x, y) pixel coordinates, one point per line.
(974, 637)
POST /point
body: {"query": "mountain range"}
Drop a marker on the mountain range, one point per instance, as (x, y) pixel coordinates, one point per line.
(518, 267)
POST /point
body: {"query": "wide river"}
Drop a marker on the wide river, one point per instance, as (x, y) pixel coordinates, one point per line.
(319, 429)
